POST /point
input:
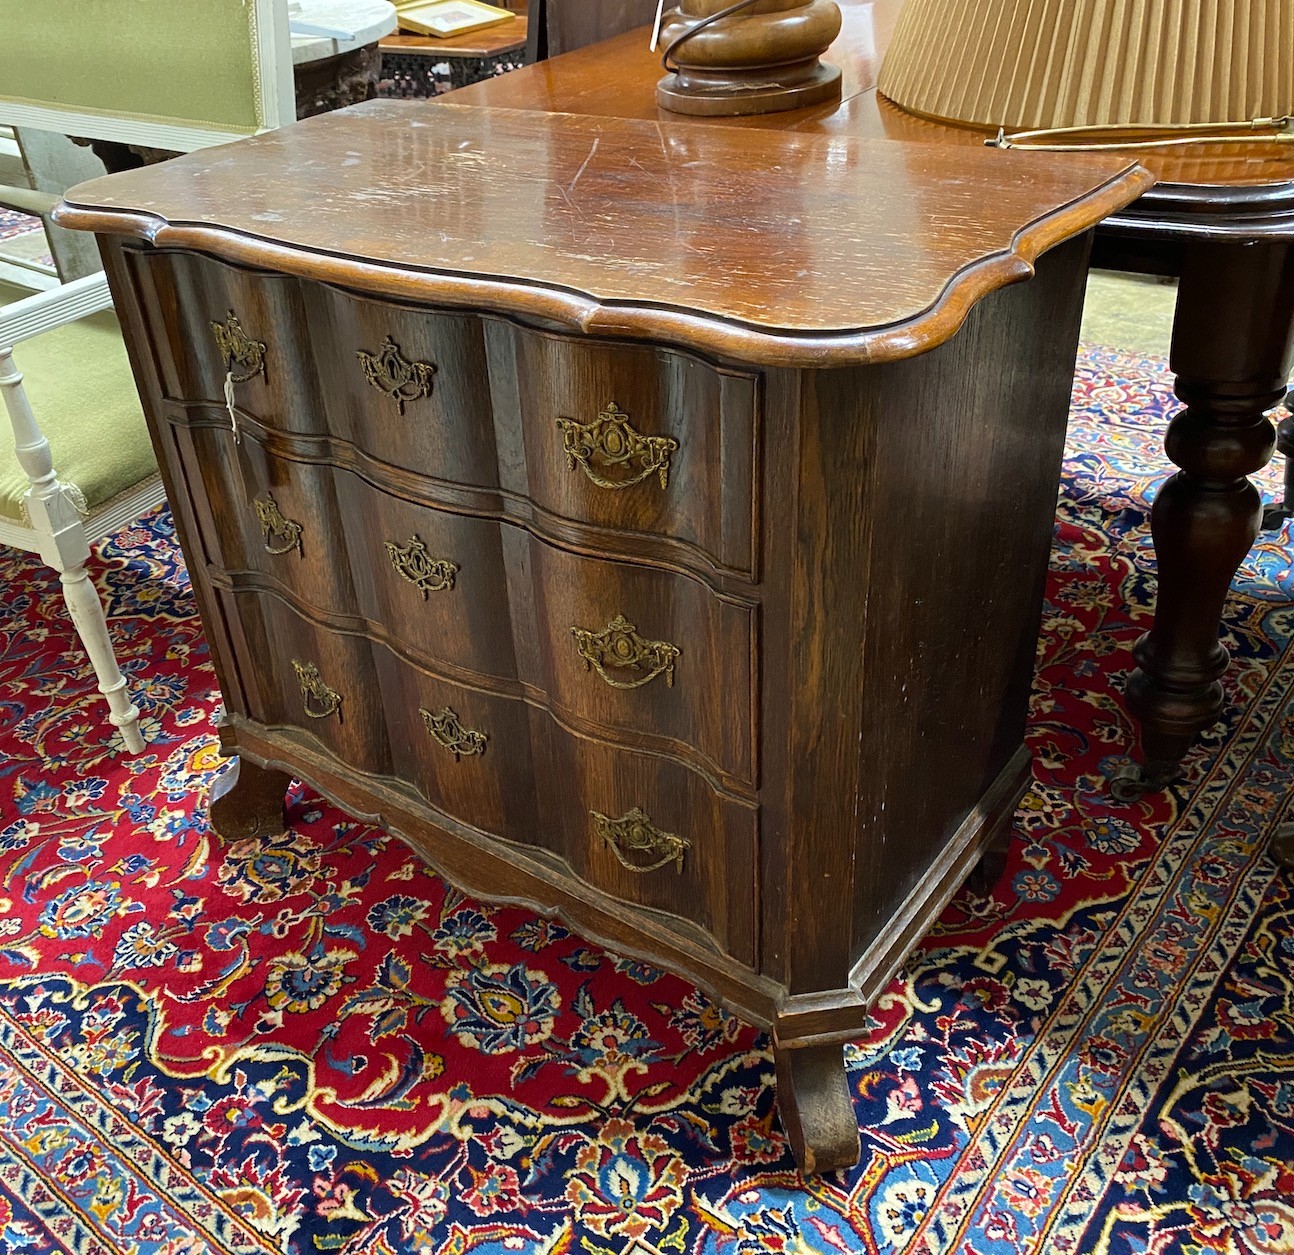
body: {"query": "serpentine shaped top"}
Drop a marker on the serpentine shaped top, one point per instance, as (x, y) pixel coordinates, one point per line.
(775, 247)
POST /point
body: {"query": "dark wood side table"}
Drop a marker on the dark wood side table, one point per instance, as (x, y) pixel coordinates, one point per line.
(1221, 218)
(408, 59)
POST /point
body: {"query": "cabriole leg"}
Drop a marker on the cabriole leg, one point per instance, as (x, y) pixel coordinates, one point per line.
(246, 800)
(817, 1110)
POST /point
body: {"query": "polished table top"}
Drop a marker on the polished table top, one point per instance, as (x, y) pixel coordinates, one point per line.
(617, 78)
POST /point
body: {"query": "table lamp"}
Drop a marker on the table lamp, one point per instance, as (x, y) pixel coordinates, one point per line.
(753, 56)
(1082, 74)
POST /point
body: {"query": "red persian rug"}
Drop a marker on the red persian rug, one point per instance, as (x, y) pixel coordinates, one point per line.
(313, 1044)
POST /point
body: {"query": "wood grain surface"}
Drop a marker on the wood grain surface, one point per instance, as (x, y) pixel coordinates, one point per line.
(755, 811)
(617, 78)
(807, 252)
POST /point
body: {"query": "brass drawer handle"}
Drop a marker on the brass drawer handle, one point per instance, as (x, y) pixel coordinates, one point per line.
(278, 534)
(448, 732)
(319, 700)
(613, 442)
(413, 563)
(638, 843)
(389, 371)
(243, 357)
(619, 646)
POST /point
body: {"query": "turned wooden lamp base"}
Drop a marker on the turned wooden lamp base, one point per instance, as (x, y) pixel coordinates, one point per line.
(762, 93)
(763, 59)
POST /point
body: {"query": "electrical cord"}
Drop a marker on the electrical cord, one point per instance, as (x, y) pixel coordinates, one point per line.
(703, 24)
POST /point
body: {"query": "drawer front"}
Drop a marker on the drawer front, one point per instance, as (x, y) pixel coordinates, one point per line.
(466, 752)
(646, 831)
(435, 580)
(632, 439)
(644, 652)
(429, 580)
(408, 387)
(211, 323)
(303, 676)
(270, 516)
(653, 834)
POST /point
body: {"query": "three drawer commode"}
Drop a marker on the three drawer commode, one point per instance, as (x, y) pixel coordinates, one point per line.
(649, 542)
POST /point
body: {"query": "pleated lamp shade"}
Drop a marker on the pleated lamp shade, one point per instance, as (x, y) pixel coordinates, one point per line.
(1029, 64)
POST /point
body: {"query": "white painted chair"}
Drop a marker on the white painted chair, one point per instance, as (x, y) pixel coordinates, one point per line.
(43, 508)
(153, 73)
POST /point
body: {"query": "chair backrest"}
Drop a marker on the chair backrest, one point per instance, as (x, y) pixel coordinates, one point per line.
(558, 26)
(176, 74)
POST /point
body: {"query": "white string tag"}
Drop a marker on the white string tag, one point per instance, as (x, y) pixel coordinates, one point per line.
(229, 405)
(655, 30)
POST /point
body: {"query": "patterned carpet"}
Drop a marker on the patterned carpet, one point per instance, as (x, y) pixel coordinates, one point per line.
(314, 1045)
(28, 234)
(13, 223)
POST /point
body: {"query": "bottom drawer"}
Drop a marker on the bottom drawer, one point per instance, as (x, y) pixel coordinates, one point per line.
(639, 828)
(467, 752)
(302, 676)
(652, 833)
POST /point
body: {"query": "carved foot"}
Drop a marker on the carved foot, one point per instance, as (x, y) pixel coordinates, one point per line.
(1132, 781)
(247, 801)
(816, 1109)
(1283, 846)
(992, 863)
(1274, 516)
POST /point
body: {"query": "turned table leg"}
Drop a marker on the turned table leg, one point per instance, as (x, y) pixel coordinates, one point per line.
(1231, 354)
(817, 1111)
(1275, 515)
(1283, 846)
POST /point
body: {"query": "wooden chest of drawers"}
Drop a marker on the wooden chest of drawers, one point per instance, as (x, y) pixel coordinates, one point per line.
(648, 526)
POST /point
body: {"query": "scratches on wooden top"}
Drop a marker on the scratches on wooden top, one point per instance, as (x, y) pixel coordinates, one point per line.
(819, 248)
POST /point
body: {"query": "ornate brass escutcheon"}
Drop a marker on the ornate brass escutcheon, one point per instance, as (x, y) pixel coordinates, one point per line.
(612, 443)
(619, 647)
(319, 700)
(243, 356)
(448, 732)
(413, 563)
(638, 843)
(280, 535)
(389, 371)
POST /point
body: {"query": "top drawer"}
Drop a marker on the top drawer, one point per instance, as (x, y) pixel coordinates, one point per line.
(657, 449)
(261, 342)
(633, 439)
(403, 387)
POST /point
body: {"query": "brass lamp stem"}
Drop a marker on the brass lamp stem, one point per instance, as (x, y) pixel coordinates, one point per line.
(1280, 130)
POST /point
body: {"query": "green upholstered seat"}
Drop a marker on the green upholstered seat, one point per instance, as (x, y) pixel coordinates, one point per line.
(78, 380)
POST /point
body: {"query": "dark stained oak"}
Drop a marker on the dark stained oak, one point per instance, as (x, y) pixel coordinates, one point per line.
(816, 1107)
(1211, 201)
(246, 801)
(1283, 847)
(606, 525)
(839, 251)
